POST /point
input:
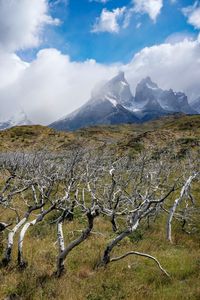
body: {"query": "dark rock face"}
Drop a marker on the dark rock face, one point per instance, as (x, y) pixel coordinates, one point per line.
(196, 105)
(149, 94)
(100, 112)
(113, 103)
(146, 91)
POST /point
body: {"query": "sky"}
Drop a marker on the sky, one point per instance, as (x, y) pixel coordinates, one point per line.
(53, 53)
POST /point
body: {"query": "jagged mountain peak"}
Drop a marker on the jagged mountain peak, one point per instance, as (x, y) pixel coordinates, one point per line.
(117, 89)
(146, 91)
(113, 103)
(147, 83)
(120, 77)
(145, 80)
(108, 105)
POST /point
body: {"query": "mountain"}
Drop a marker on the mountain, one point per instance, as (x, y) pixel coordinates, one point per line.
(113, 103)
(116, 89)
(108, 105)
(146, 92)
(196, 105)
(150, 96)
(18, 119)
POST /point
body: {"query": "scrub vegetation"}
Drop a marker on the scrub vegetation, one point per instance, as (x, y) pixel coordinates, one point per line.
(108, 212)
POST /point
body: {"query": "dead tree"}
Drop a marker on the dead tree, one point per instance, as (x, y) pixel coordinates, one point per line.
(90, 183)
(12, 233)
(91, 214)
(183, 193)
(87, 175)
(148, 188)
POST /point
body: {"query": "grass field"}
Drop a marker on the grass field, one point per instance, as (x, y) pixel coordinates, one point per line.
(131, 278)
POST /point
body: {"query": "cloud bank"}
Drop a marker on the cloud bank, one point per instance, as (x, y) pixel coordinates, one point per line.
(175, 65)
(53, 85)
(22, 23)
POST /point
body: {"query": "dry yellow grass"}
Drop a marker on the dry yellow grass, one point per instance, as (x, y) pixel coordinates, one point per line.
(133, 278)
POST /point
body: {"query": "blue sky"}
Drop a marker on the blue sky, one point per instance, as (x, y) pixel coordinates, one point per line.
(53, 53)
(74, 35)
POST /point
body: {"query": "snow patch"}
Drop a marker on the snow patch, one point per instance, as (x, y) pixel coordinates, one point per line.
(151, 87)
(112, 100)
(124, 83)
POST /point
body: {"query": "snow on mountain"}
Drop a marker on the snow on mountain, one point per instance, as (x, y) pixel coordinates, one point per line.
(146, 91)
(150, 96)
(113, 103)
(117, 88)
(107, 105)
(17, 119)
(112, 100)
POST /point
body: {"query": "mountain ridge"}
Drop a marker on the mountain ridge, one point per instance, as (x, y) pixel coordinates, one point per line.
(114, 103)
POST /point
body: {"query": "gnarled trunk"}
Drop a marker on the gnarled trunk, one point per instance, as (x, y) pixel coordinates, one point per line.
(91, 215)
(106, 256)
(21, 261)
(12, 233)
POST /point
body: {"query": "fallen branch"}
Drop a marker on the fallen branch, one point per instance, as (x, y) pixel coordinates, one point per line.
(141, 254)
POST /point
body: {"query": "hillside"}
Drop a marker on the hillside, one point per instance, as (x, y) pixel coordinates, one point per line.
(161, 133)
(167, 144)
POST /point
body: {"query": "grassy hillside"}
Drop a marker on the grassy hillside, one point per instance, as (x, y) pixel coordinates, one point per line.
(133, 278)
(180, 130)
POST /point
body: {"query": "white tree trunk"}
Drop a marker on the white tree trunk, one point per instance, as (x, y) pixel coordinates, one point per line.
(11, 235)
(183, 192)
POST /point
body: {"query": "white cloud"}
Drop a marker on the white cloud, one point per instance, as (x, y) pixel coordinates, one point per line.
(21, 23)
(52, 85)
(177, 37)
(109, 21)
(193, 14)
(150, 7)
(11, 68)
(174, 66)
(113, 21)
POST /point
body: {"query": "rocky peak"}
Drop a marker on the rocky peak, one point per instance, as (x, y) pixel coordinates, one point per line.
(117, 89)
(147, 83)
(146, 91)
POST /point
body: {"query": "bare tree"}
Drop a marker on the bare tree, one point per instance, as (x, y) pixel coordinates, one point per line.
(89, 183)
